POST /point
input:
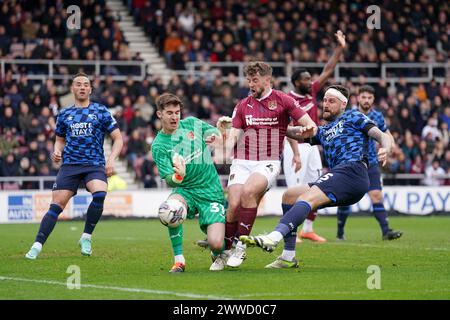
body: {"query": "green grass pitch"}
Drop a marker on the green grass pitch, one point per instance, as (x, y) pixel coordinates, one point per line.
(131, 259)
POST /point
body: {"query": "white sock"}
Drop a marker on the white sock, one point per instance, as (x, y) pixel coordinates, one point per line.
(307, 226)
(288, 255)
(180, 258)
(86, 236)
(37, 245)
(275, 236)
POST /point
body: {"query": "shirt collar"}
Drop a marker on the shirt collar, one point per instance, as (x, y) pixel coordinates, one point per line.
(298, 95)
(267, 95)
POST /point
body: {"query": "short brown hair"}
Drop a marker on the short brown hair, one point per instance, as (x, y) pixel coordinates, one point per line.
(341, 89)
(81, 74)
(366, 88)
(167, 99)
(252, 68)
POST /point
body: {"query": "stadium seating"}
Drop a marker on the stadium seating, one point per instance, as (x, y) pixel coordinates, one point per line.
(418, 115)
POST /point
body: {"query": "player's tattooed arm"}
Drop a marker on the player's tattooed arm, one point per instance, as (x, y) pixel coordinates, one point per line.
(384, 140)
(392, 137)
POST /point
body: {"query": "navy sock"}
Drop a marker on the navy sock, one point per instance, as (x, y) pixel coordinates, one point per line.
(293, 217)
(342, 215)
(48, 223)
(94, 211)
(381, 215)
(291, 237)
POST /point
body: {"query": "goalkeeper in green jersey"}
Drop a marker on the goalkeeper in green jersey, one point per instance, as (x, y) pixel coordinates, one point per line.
(184, 162)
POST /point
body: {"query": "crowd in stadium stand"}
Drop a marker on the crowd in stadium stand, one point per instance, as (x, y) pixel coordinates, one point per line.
(269, 30)
(418, 115)
(37, 30)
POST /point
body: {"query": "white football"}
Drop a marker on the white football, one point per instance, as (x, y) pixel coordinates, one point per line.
(172, 213)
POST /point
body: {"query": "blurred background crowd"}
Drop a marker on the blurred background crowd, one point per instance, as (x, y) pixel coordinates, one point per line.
(417, 114)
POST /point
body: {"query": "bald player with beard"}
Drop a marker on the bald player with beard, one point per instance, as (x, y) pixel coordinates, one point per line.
(307, 156)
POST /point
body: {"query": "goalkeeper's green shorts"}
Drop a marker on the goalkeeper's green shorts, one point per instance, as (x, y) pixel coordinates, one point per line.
(209, 210)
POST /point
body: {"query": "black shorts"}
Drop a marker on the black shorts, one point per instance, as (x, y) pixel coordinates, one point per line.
(345, 184)
(70, 176)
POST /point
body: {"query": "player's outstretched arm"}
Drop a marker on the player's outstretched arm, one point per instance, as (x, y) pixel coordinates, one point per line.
(229, 135)
(301, 133)
(331, 64)
(384, 140)
(58, 149)
(224, 125)
(296, 161)
(306, 128)
(117, 139)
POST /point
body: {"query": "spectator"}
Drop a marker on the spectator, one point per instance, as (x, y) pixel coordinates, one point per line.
(8, 142)
(137, 122)
(431, 130)
(226, 102)
(186, 21)
(8, 120)
(433, 174)
(136, 148)
(10, 167)
(171, 44)
(24, 118)
(445, 116)
(149, 172)
(146, 108)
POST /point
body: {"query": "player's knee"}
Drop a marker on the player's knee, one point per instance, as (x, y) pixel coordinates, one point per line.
(55, 210)
(59, 204)
(376, 196)
(289, 197)
(215, 244)
(313, 199)
(233, 206)
(248, 194)
(99, 197)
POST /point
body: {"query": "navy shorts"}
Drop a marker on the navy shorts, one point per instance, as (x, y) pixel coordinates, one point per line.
(345, 184)
(374, 177)
(70, 176)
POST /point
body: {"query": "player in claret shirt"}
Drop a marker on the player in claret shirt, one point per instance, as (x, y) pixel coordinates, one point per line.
(80, 132)
(345, 140)
(259, 125)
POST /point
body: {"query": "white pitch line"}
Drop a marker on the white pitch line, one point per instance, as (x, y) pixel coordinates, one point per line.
(385, 246)
(138, 290)
(287, 294)
(200, 296)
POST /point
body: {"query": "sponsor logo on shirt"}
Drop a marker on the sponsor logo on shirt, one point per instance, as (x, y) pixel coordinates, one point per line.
(81, 129)
(251, 121)
(334, 131)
